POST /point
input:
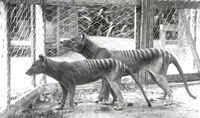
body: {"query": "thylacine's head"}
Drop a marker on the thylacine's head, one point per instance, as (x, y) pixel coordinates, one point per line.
(38, 67)
(76, 43)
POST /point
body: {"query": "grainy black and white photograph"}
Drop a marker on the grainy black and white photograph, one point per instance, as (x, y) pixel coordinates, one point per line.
(100, 58)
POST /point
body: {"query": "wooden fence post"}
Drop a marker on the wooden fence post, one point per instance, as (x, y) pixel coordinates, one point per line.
(33, 39)
(58, 31)
(137, 26)
(5, 57)
(146, 34)
(40, 37)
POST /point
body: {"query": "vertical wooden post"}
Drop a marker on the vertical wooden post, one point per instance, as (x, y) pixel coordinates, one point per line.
(5, 55)
(146, 35)
(74, 31)
(147, 40)
(136, 31)
(44, 28)
(40, 37)
(137, 27)
(33, 39)
(58, 31)
(76, 24)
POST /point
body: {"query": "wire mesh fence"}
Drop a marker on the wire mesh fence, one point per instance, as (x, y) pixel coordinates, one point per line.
(174, 25)
(37, 27)
(65, 21)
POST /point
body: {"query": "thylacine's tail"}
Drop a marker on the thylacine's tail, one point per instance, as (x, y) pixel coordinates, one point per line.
(175, 62)
(128, 71)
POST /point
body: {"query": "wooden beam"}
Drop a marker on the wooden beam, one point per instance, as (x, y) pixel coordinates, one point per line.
(137, 26)
(177, 4)
(23, 103)
(146, 35)
(33, 39)
(4, 57)
(79, 2)
(40, 37)
(177, 78)
(58, 31)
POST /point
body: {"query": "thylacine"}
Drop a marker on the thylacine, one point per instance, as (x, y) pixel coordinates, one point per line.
(155, 61)
(70, 74)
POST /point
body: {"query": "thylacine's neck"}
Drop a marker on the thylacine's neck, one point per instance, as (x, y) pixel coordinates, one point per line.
(90, 49)
(54, 69)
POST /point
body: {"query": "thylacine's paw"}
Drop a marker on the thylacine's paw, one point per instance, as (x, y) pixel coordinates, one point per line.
(70, 110)
(60, 107)
(106, 103)
(120, 106)
(98, 100)
(101, 100)
(109, 102)
(169, 101)
(162, 97)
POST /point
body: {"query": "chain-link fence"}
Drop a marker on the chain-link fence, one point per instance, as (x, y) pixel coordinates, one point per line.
(65, 21)
(30, 28)
(20, 23)
(35, 28)
(176, 24)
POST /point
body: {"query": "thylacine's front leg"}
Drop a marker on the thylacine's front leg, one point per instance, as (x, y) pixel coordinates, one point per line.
(104, 93)
(116, 89)
(65, 92)
(71, 98)
(114, 80)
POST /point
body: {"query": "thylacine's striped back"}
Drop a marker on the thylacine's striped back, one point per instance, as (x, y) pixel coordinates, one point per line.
(143, 54)
(99, 64)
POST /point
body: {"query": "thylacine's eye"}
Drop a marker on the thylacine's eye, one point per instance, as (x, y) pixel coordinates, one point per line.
(76, 44)
(73, 39)
(33, 64)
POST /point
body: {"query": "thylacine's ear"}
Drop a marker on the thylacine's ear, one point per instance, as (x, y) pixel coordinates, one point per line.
(83, 37)
(42, 58)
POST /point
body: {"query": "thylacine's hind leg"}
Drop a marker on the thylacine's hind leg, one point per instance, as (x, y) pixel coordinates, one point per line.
(154, 79)
(162, 74)
(116, 89)
(158, 69)
(163, 84)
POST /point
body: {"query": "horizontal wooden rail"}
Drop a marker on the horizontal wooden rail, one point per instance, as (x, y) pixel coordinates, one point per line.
(23, 103)
(79, 2)
(177, 4)
(177, 78)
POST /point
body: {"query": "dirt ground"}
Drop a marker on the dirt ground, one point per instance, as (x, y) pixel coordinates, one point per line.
(183, 106)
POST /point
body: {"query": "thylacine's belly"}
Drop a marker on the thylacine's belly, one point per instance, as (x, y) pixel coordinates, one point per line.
(91, 76)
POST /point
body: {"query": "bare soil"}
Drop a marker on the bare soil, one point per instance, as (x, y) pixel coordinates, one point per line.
(183, 106)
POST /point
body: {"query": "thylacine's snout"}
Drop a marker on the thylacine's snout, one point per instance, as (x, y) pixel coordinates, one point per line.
(28, 72)
(65, 43)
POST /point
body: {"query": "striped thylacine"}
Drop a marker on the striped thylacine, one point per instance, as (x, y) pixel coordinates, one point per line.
(70, 74)
(155, 61)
